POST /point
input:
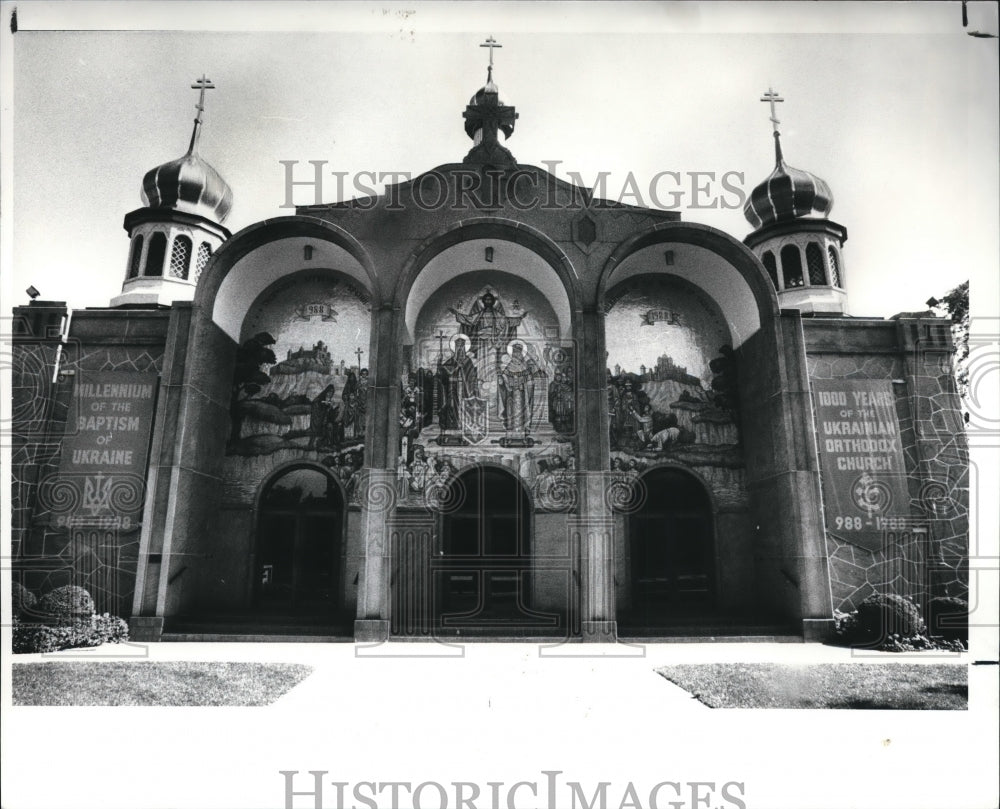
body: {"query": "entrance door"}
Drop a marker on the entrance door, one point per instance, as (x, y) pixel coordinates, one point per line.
(672, 551)
(298, 544)
(483, 575)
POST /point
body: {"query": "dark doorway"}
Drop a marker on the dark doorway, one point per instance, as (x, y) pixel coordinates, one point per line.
(298, 544)
(483, 577)
(672, 554)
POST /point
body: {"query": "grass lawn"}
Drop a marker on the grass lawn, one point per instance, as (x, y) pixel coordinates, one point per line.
(898, 686)
(145, 683)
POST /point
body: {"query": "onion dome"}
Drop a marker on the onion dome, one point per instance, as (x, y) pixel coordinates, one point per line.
(787, 193)
(189, 183)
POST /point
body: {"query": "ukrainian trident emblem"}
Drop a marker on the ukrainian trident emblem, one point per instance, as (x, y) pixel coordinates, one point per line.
(97, 494)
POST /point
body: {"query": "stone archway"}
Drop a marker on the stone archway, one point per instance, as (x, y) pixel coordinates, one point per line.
(482, 578)
(671, 538)
(300, 522)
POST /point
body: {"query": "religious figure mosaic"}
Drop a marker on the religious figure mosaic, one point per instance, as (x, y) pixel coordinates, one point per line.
(488, 380)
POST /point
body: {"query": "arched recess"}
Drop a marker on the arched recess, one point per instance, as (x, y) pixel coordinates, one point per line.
(259, 255)
(300, 527)
(518, 249)
(205, 491)
(724, 268)
(671, 534)
(769, 471)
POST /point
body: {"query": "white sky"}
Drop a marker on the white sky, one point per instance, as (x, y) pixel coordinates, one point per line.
(902, 125)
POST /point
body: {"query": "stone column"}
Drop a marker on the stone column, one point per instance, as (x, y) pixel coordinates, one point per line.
(153, 566)
(378, 495)
(799, 492)
(593, 530)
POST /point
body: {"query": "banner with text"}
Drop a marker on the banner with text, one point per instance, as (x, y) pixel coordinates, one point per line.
(102, 473)
(861, 458)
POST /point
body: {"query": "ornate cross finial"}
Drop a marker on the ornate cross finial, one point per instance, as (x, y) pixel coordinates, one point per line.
(202, 84)
(491, 43)
(359, 352)
(772, 98)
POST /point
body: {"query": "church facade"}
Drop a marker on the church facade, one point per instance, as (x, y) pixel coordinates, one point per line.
(484, 404)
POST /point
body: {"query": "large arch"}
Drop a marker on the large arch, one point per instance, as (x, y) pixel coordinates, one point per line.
(723, 267)
(408, 297)
(263, 253)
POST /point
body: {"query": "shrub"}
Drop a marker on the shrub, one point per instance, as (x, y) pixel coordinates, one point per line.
(882, 616)
(109, 629)
(66, 605)
(949, 618)
(22, 599)
(99, 629)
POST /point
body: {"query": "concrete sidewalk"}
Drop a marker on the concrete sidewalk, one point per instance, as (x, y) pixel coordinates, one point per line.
(525, 678)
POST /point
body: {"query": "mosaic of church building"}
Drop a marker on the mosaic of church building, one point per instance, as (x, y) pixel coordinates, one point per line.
(300, 382)
(672, 384)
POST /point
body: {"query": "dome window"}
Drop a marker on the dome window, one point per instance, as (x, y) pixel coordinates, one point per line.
(204, 254)
(791, 266)
(180, 258)
(814, 264)
(155, 255)
(771, 267)
(133, 262)
(834, 267)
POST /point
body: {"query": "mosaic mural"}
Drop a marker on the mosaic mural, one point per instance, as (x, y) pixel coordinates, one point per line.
(488, 379)
(300, 383)
(672, 384)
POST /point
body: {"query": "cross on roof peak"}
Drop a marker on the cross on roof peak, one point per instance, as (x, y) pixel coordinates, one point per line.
(491, 43)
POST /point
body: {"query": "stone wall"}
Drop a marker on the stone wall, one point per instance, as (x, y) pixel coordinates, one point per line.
(927, 554)
(51, 544)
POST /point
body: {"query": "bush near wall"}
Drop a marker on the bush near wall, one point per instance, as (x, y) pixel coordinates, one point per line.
(61, 619)
(949, 618)
(892, 623)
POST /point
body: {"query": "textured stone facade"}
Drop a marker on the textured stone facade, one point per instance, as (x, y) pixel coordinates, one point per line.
(926, 556)
(53, 541)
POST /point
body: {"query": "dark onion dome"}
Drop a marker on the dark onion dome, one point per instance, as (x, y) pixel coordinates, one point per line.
(788, 193)
(188, 184)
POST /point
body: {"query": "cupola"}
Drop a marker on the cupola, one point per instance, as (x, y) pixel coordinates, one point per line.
(180, 226)
(799, 246)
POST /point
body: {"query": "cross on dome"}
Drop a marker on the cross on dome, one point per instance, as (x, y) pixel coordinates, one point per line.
(773, 98)
(491, 43)
(485, 115)
(202, 84)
